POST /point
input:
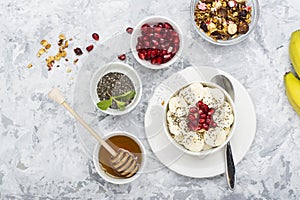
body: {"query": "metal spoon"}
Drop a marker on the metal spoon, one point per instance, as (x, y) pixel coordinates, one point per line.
(226, 84)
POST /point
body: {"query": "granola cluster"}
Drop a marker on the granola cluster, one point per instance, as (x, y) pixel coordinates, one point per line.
(223, 19)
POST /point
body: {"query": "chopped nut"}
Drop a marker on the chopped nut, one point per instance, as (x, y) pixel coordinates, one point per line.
(48, 46)
(63, 54)
(44, 43)
(62, 37)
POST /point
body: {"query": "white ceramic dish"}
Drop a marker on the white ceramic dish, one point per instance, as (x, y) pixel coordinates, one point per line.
(137, 32)
(181, 162)
(119, 180)
(203, 153)
(122, 68)
(255, 16)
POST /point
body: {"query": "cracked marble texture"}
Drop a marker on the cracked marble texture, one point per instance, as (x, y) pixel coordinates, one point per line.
(41, 153)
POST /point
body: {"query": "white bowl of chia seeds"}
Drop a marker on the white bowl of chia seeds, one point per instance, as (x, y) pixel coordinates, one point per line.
(116, 88)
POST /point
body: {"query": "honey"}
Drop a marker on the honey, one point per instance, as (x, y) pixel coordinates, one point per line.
(119, 141)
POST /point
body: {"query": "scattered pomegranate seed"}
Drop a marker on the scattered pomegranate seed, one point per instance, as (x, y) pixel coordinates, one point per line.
(122, 57)
(167, 26)
(78, 51)
(211, 111)
(95, 36)
(129, 30)
(90, 48)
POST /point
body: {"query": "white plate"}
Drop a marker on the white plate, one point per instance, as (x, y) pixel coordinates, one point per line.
(184, 164)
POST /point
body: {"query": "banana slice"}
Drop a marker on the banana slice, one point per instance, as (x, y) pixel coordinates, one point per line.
(178, 106)
(215, 137)
(193, 93)
(174, 128)
(214, 97)
(224, 116)
(193, 142)
(206, 147)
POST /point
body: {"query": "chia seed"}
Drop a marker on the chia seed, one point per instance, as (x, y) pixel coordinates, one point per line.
(114, 84)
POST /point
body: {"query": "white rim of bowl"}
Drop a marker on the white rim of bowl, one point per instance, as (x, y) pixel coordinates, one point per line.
(104, 70)
(237, 40)
(110, 179)
(201, 154)
(137, 32)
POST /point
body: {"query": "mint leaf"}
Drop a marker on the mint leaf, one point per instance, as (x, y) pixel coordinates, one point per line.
(103, 105)
(120, 104)
(126, 96)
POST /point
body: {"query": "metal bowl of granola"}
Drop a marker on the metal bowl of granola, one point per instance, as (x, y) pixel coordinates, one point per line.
(224, 22)
(200, 118)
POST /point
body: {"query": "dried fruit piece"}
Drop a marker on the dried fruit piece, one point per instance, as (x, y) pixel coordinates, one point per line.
(78, 51)
(90, 48)
(95, 36)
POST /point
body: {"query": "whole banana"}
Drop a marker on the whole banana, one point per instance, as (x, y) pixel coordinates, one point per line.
(292, 90)
(294, 51)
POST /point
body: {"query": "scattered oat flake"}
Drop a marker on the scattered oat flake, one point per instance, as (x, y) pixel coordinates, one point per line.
(29, 65)
(69, 70)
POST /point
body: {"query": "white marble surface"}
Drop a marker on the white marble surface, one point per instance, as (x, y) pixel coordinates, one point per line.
(41, 154)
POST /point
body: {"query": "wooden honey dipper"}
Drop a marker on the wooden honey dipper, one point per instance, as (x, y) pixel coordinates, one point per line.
(123, 161)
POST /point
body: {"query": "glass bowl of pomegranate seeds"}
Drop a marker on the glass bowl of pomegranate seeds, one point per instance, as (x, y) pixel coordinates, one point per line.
(116, 88)
(156, 42)
(224, 22)
(200, 118)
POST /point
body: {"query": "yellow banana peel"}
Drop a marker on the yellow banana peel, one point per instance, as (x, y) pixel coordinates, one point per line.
(292, 90)
(294, 51)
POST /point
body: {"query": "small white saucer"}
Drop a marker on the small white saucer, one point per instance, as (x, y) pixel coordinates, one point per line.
(188, 165)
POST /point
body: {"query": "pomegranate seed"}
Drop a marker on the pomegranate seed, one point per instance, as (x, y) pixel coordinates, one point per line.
(160, 25)
(193, 110)
(90, 48)
(205, 108)
(203, 116)
(129, 30)
(208, 121)
(205, 126)
(191, 126)
(167, 26)
(159, 60)
(200, 112)
(211, 111)
(78, 51)
(95, 36)
(141, 55)
(191, 117)
(122, 57)
(202, 120)
(199, 103)
(145, 26)
(176, 40)
(213, 124)
(154, 61)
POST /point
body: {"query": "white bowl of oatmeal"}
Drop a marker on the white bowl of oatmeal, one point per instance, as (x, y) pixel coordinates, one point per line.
(200, 118)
